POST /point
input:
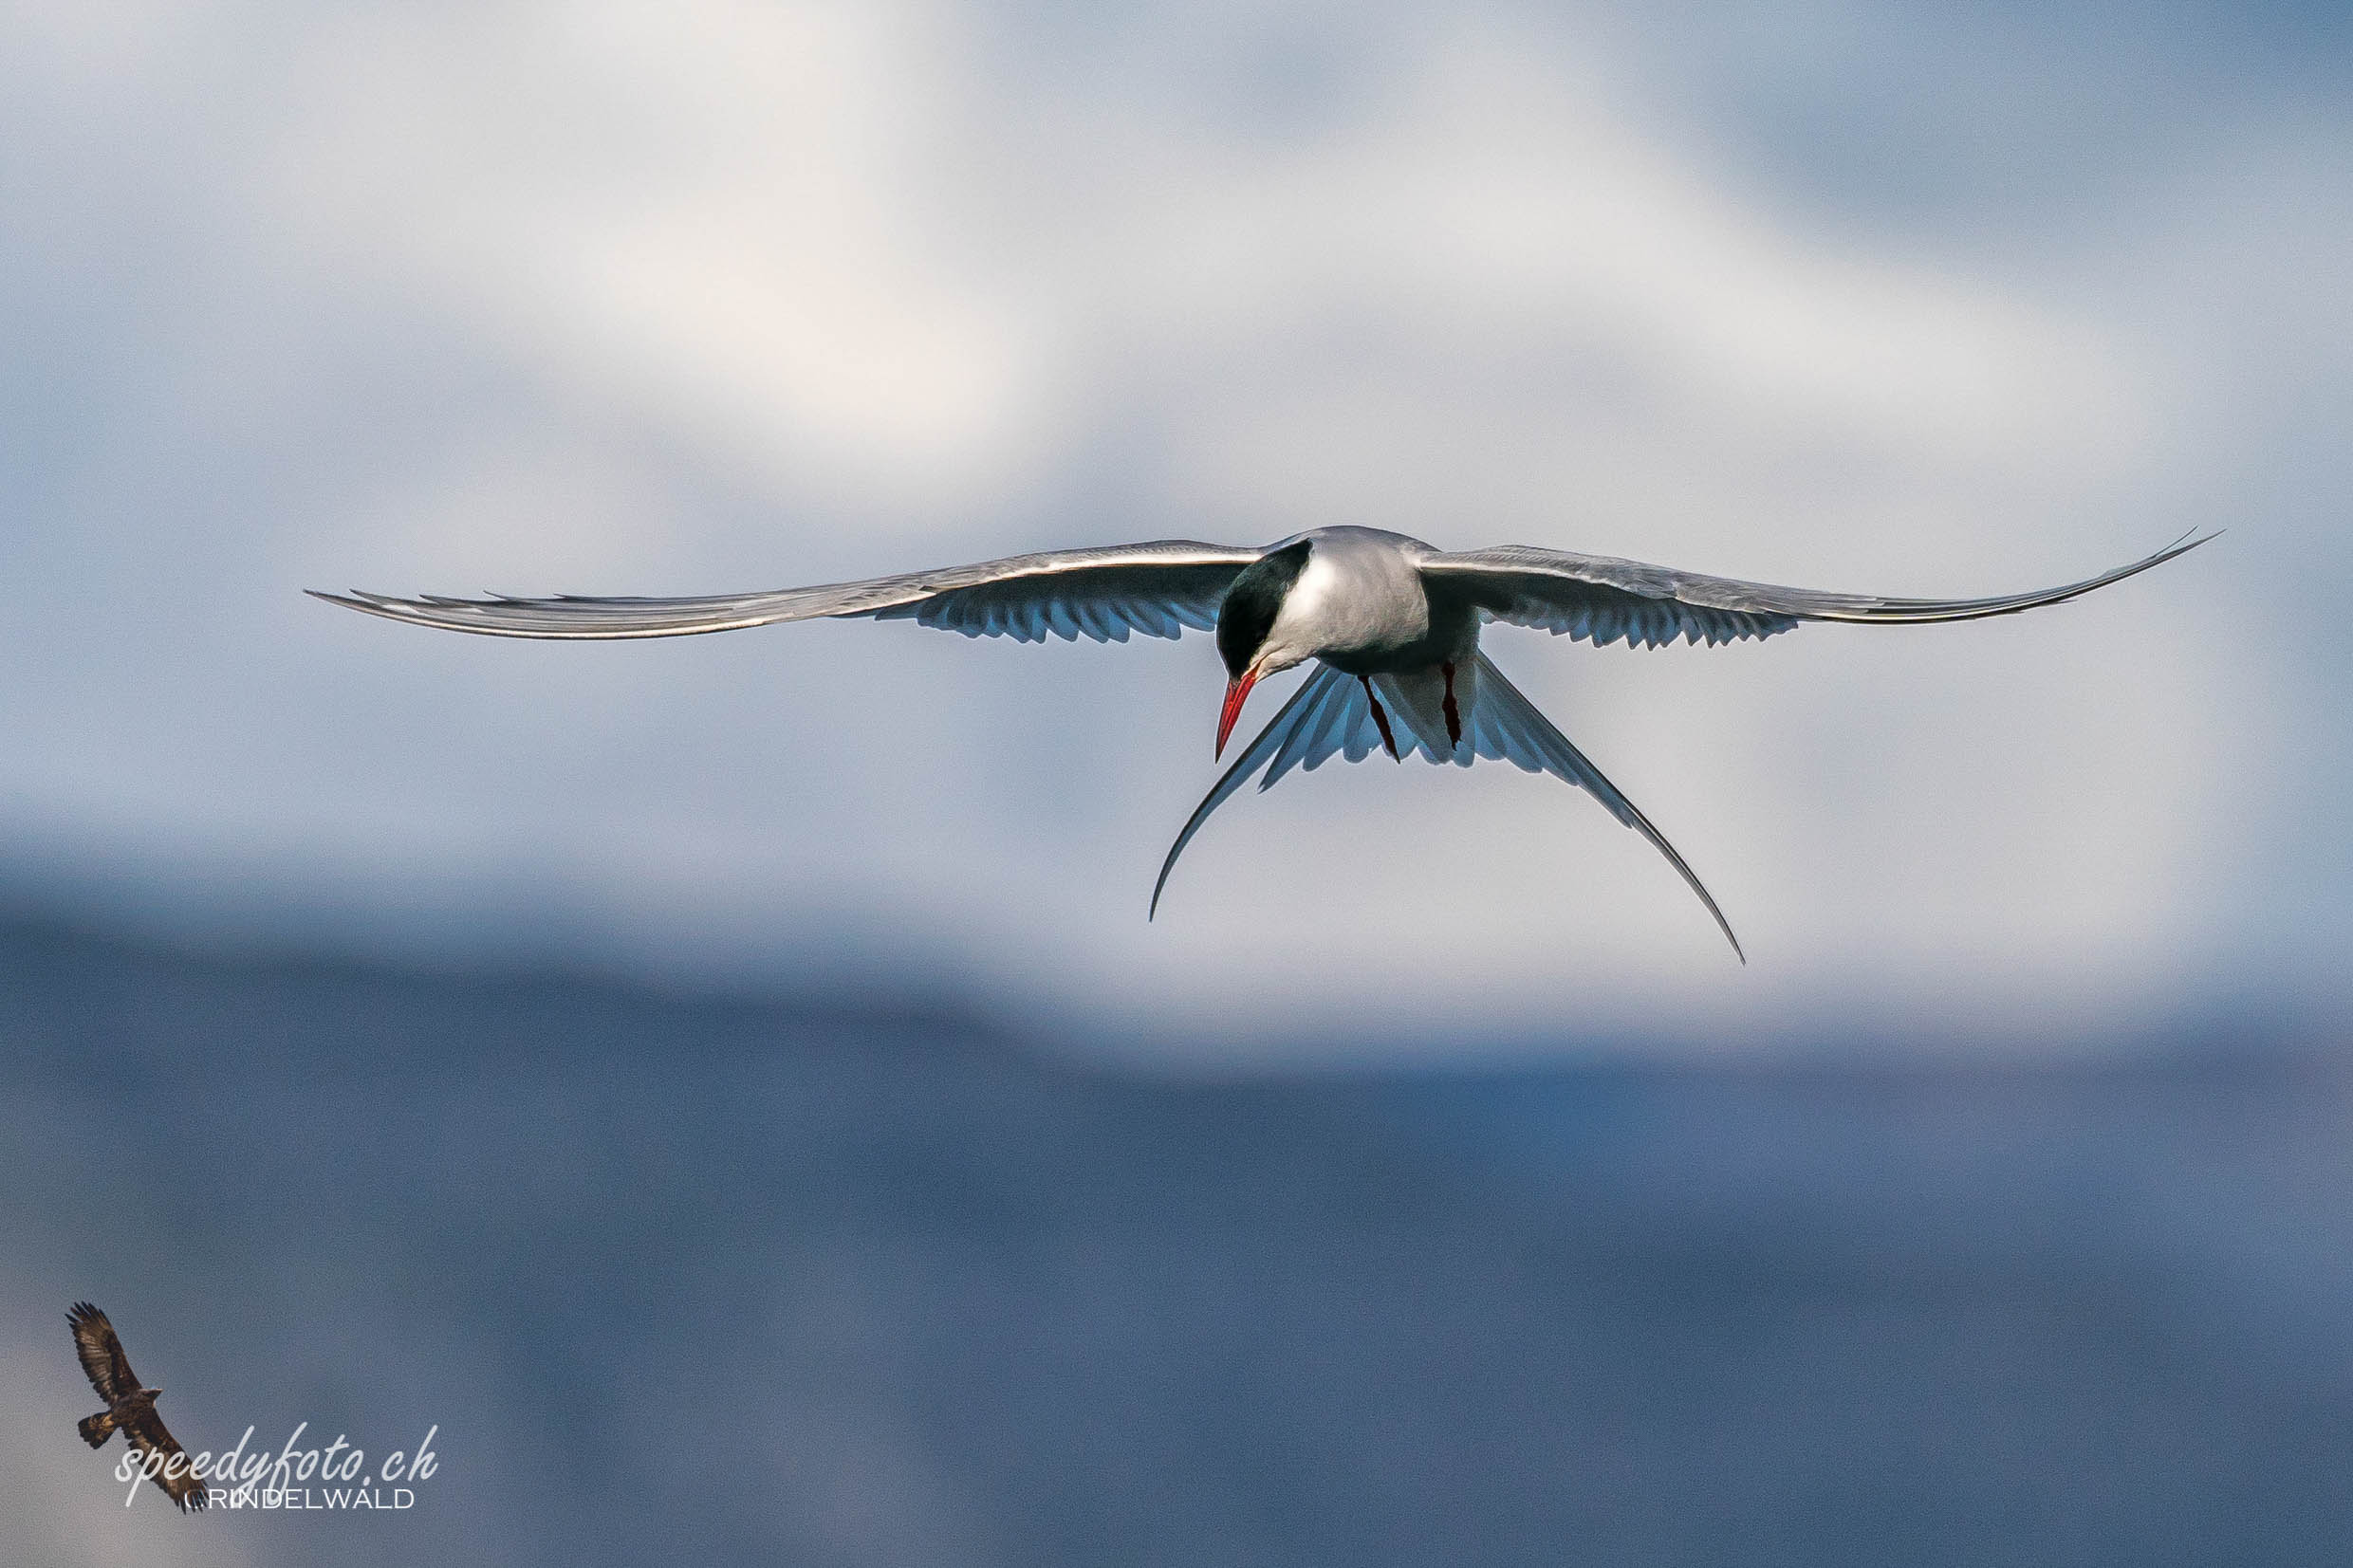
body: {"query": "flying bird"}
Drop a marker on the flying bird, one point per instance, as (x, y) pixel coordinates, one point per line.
(1391, 623)
(130, 1408)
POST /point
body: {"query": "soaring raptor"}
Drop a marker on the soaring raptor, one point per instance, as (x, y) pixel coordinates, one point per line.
(130, 1408)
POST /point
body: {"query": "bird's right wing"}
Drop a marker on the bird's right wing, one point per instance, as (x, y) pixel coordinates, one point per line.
(101, 1353)
(1158, 589)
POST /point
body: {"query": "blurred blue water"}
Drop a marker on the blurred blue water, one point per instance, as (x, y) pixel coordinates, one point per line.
(853, 1279)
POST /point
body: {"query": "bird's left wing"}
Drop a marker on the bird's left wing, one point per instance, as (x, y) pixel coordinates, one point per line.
(1158, 588)
(162, 1459)
(1601, 598)
(101, 1353)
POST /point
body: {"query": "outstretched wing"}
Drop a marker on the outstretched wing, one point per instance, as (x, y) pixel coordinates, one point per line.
(1601, 598)
(1330, 715)
(101, 1351)
(1158, 589)
(162, 1460)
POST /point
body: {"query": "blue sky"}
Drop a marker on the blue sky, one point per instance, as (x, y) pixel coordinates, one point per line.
(692, 298)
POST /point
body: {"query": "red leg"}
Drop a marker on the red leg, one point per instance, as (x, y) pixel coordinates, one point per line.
(1381, 720)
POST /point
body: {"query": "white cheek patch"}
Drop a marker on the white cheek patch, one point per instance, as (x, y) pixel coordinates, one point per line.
(1313, 590)
(1305, 623)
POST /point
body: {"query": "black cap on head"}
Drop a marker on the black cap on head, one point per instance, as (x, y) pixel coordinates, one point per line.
(1248, 611)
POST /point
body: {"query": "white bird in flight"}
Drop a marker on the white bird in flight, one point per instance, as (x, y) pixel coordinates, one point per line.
(1393, 624)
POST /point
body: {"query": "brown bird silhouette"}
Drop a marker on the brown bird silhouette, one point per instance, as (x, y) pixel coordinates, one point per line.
(130, 1408)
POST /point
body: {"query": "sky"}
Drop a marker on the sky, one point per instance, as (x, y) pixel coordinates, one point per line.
(702, 297)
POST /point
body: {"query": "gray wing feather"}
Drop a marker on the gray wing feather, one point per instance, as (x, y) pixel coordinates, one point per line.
(1601, 598)
(1158, 589)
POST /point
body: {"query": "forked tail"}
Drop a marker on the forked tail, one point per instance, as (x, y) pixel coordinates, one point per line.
(1332, 715)
(1506, 726)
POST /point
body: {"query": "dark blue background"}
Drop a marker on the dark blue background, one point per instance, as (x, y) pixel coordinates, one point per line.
(854, 1279)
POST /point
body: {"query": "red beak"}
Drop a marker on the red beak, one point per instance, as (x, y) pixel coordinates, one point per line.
(1238, 692)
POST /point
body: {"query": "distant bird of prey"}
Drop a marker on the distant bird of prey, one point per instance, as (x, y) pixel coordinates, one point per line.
(130, 1409)
(1392, 622)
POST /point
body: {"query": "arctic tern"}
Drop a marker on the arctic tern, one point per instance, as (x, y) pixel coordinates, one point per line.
(1392, 624)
